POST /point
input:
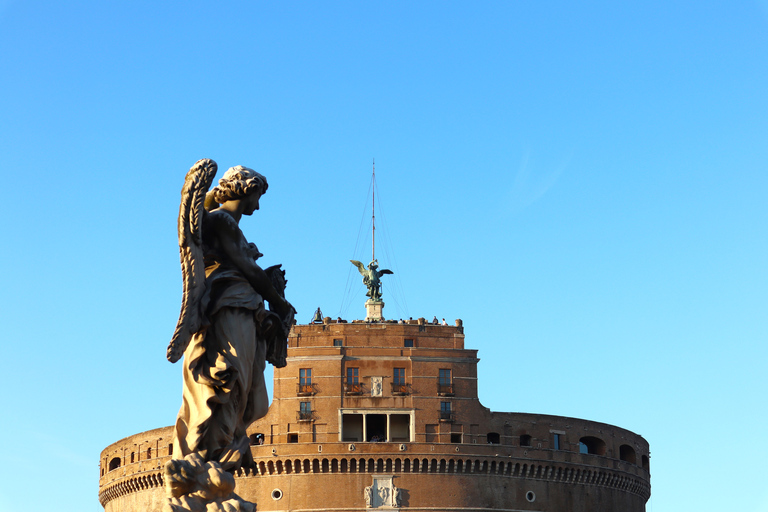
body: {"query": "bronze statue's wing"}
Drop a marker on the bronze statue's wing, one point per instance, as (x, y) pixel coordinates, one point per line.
(191, 213)
(360, 267)
(385, 271)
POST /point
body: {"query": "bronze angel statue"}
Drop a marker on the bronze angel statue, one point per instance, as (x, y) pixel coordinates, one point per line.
(371, 277)
(224, 332)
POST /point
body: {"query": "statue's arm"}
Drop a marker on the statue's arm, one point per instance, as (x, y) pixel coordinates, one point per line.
(230, 238)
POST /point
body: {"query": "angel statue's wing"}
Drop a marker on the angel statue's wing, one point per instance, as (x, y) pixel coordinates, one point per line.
(191, 213)
(385, 271)
(360, 267)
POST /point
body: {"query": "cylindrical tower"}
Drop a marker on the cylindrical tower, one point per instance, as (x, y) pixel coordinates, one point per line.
(386, 415)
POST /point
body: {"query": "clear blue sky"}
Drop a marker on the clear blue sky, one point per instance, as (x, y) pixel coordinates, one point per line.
(583, 183)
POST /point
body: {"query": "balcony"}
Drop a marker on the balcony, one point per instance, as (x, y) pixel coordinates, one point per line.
(445, 389)
(353, 388)
(305, 390)
(400, 389)
(446, 416)
(302, 416)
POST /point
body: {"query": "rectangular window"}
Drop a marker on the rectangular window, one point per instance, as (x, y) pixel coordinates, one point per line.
(445, 407)
(293, 438)
(556, 441)
(305, 382)
(445, 382)
(337, 342)
(408, 343)
(305, 411)
(352, 386)
(398, 382)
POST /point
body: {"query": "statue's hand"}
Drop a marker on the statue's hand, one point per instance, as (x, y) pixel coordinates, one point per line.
(282, 307)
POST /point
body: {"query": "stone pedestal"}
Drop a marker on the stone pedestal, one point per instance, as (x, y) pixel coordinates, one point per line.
(373, 310)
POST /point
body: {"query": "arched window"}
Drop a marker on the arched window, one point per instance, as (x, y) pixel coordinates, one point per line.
(493, 438)
(627, 453)
(133, 456)
(593, 445)
(149, 453)
(114, 463)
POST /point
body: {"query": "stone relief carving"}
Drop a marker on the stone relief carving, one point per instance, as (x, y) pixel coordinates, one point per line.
(226, 334)
(383, 497)
(382, 493)
(376, 386)
(368, 496)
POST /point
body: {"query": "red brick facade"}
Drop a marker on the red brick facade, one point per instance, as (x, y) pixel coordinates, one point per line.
(398, 403)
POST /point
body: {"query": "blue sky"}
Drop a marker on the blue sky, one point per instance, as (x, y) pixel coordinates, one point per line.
(583, 183)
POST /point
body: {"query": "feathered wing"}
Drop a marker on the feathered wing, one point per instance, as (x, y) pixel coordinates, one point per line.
(360, 267)
(385, 271)
(191, 213)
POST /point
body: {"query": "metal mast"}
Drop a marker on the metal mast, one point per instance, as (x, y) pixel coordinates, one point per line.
(373, 213)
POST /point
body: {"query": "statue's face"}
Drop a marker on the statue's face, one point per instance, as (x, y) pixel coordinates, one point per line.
(251, 203)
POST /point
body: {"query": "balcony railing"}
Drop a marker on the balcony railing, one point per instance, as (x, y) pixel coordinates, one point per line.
(305, 415)
(445, 415)
(445, 389)
(353, 388)
(400, 389)
(305, 389)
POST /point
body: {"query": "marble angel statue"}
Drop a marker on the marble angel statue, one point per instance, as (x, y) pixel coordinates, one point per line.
(224, 331)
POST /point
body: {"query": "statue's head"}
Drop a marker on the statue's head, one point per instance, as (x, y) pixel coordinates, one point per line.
(237, 183)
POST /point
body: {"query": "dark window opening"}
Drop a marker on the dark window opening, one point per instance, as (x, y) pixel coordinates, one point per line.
(337, 343)
(256, 439)
(556, 441)
(408, 343)
(293, 438)
(592, 445)
(149, 453)
(399, 428)
(114, 463)
(376, 428)
(352, 428)
(456, 439)
(133, 457)
(493, 438)
(525, 440)
(627, 453)
(170, 449)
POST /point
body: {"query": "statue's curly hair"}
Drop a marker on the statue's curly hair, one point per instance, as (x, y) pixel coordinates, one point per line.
(238, 182)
